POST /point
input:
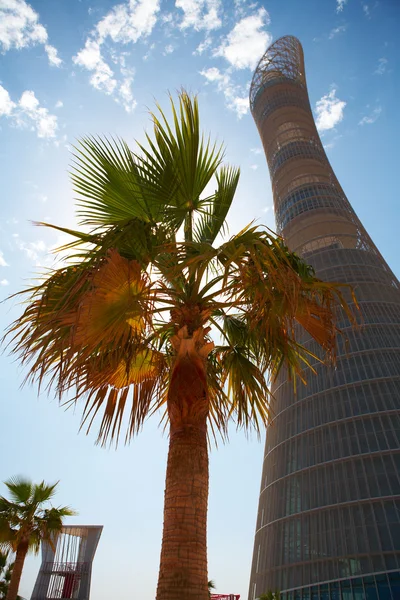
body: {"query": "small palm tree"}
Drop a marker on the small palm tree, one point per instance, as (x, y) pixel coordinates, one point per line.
(270, 595)
(6, 567)
(152, 313)
(25, 523)
(211, 586)
(5, 573)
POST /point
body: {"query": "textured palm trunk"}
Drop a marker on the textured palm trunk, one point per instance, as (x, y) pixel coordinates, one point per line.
(20, 556)
(183, 563)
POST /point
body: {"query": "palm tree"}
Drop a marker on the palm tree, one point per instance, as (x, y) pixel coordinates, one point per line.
(211, 586)
(150, 312)
(270, 595)
(6, 568)
(5, 574)
(24, 523)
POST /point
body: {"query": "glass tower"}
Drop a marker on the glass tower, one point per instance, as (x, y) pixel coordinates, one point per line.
(328, 523)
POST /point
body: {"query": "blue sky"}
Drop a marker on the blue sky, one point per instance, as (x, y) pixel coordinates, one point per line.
(70, 68)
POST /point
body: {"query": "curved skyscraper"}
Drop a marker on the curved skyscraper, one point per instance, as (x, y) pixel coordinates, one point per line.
(328, 524)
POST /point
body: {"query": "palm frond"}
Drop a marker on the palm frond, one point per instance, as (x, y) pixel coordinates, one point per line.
(211, 222)
(20, 489)
(109, 184)
(43, 492)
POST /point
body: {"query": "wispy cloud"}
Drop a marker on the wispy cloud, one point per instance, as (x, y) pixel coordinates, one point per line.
(125, 24)
(381, 68)
(20, 28)
(247, 42)
(254, 167)
(234, 95)
(336, 31)
(27, 112)
(4, 282)
(256, 150)
(168, 49)
(366, 10)
(3, 262)
(340, 5)
(200, 14)
(372, 117)
(329, 111)
(203, 46)
(52, 54)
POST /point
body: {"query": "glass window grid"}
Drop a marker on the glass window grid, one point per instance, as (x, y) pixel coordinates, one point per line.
(283, 98)
(385, 586)
(306, 148)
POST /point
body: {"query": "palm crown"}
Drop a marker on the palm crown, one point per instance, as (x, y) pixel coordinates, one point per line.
(148, 274)
(151, 312)
(23, 518)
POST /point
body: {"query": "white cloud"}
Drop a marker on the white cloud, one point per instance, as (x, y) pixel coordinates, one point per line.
(254, 167)
(168, 49)
(329, 111)
(381, 68)
(334, 32)
(54, 59)
(44, 123)
(372, 117)
(256, 150)
(340, 5)
(28, 112)
(247, 42)
(3, 262)
(366, 11)
(91, 59)
(128, 22)
(20, 28)
(59, 104)
(200, 14)
(6, 104)
(233, 94)
(4, 282)
(124, 23)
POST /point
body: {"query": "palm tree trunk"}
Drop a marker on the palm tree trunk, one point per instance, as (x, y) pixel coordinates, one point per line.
(20, 556)
(183, 563)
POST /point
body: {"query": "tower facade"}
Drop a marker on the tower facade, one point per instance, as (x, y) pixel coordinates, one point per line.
(66, 568)
(328, 523)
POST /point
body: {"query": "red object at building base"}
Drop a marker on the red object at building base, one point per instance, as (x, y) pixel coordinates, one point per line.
(225, 596)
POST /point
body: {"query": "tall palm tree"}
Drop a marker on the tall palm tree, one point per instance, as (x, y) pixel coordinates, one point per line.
(25, 522)
(152, 312)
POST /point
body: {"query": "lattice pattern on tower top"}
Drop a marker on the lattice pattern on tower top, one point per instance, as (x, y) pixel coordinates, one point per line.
(283, 60)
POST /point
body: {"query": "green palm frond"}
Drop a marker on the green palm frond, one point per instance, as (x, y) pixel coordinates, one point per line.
(109, 184)
(20, 489)
(213, 218)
